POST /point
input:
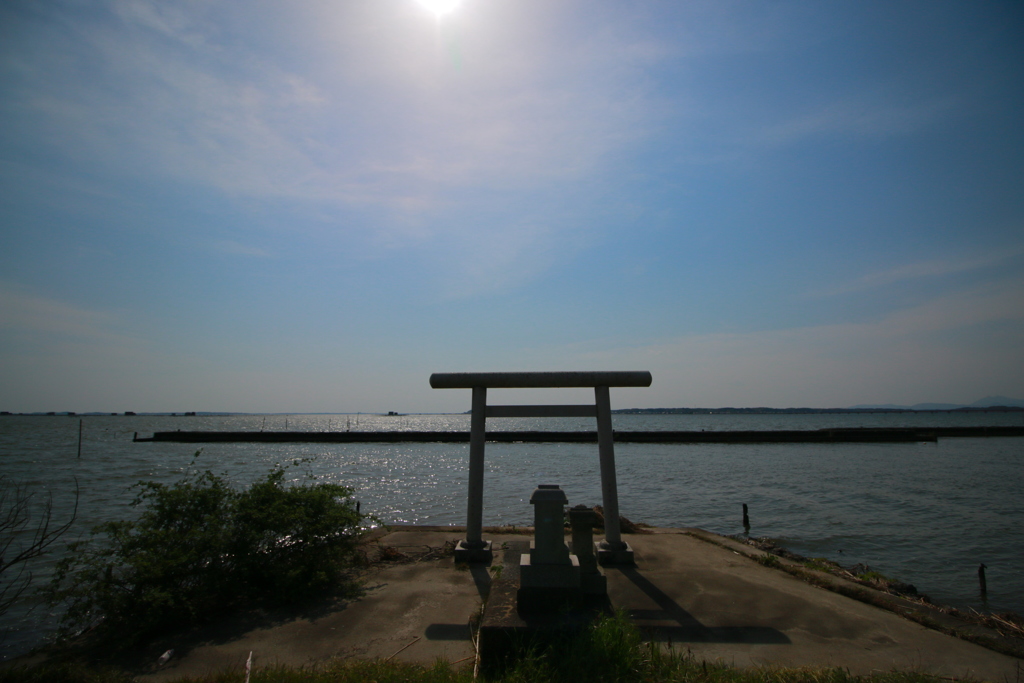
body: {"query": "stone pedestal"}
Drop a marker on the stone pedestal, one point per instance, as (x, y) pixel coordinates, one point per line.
(549, 577)
(506, 634)
(614, 554)
(466, 551)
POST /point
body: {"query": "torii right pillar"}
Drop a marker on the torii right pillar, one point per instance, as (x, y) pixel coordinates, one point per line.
(612, 550)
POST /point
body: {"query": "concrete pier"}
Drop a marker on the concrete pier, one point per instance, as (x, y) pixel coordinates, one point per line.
(690, 590)
(846, 435)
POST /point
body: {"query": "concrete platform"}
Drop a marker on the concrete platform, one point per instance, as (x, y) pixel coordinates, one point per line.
(690, 591)
(719, 604)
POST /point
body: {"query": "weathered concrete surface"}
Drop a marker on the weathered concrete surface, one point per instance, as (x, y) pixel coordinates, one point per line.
(722, 606)
(428, 604)
(685, 592)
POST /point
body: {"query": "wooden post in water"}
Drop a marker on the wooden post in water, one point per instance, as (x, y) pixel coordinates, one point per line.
(79, 438)
(981, 579)
(746, 519)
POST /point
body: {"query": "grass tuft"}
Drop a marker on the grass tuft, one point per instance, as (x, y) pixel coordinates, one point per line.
(611, 650)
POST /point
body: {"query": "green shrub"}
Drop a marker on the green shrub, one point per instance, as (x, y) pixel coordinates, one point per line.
(200, 548)
(821, 564)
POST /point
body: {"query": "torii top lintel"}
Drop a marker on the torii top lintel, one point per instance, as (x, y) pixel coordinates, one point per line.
(539, 380)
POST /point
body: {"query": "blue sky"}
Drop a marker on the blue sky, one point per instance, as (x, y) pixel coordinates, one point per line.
(312, 206)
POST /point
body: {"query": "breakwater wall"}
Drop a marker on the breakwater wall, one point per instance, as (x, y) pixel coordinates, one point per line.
(846, 435)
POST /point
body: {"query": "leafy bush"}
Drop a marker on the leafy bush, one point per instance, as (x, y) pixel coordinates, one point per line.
(201, 548)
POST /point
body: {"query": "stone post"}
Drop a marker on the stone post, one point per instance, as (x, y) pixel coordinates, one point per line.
(548, 525)
(582, 520)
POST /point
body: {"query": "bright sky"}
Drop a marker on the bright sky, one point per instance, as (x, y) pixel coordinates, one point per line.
(312, 206)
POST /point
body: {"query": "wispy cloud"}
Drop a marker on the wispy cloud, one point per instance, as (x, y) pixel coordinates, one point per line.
(998, 302)
(948, 349)
(23, 314)
(871, 115)
(392, 120)
(922, 269)
(495, 260)
(239, 249)
(169, 20)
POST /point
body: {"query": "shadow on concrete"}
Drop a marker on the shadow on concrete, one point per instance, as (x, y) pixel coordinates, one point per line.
(689, 629)
(233, 626)
(448, 632)
(482, 578)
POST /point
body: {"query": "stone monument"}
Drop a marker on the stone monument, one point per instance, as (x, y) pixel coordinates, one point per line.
(549, 575)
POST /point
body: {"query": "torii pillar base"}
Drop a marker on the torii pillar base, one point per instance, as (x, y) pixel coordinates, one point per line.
(612, 555)
(465, 552)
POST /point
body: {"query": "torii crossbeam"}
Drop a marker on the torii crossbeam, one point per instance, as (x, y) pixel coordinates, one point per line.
(474, 548)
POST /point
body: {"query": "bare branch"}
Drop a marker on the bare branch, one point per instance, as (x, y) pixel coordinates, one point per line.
(26, 532)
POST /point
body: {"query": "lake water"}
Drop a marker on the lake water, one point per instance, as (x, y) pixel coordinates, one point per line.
(925, 513)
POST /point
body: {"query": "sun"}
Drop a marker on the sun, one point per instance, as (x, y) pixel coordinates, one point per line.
(440, 7)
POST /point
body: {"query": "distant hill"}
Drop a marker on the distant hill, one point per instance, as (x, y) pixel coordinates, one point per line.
(987, 402)
(1013, 404)
(878, 406)
(998, 401)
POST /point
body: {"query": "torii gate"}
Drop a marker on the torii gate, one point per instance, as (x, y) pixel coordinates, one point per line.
(474, 549)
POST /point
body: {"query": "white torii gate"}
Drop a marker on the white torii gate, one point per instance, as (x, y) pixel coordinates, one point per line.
(474, 549)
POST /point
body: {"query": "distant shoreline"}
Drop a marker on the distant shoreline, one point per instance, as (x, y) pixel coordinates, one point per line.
(809, 411)
(620, 411)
